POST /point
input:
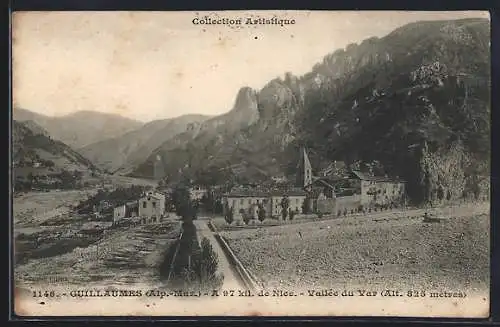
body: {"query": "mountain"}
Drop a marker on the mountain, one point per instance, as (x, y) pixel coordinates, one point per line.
(413, 104)
(80, 128)
(33, 147)
(202, 141)
(128, 150)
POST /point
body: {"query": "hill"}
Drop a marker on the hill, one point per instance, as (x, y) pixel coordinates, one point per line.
(123, 152)
(80, 128)
(36, 154)
(415, 103)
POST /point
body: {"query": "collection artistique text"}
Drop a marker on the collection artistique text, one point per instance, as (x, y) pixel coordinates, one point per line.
(242, 21)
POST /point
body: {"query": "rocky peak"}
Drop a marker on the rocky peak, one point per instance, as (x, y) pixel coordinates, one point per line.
(246, 99)
(244, 111)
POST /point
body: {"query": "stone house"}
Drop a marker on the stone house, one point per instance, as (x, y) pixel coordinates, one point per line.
(377, 190)
(152, 206)
(354, 191)
(126, 210)
(247, 201)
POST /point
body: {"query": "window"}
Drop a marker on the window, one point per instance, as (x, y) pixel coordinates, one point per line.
(241, 201)
(154, 204)
(144, 204)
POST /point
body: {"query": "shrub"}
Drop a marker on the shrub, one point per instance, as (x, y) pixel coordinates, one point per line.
(320, 215)
(285, 203)
(261, 214)
(291, 214)
(229, 217)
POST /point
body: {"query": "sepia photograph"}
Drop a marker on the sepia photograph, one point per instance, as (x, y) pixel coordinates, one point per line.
(251, 163)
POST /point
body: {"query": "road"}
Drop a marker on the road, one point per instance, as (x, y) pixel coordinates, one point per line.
(231, 280)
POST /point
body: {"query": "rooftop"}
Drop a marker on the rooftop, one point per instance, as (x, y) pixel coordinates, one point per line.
(366, 177)
(263, 193)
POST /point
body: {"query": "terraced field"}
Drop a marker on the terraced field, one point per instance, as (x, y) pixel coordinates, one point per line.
(122, 257)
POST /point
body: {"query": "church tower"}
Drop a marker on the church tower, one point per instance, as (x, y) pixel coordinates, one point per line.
(304, 170)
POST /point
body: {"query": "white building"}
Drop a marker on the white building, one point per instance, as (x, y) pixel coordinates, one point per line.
(152, 206)
(248, 201)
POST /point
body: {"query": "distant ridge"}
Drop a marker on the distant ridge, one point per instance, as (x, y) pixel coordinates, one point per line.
(80, 128)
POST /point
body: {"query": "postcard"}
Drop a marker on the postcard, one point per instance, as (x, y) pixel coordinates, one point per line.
(251, 163)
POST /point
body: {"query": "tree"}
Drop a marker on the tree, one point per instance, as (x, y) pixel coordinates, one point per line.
(261, 214)
(206, 267)
(229, 216)
(285, 203)
(306, 205)
(218, 206)
(184, 206)
(49, 163)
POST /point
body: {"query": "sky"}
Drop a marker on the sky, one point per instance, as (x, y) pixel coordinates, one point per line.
(156, 65)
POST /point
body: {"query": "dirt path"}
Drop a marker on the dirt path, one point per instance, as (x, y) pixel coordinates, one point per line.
(231, 280)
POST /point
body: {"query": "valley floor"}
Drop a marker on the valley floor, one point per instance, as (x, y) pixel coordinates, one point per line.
(403, 251)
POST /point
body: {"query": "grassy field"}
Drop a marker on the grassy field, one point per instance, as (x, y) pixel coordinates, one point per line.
(403, 251)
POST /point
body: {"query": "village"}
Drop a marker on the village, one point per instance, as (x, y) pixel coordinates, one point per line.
(325, 194)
